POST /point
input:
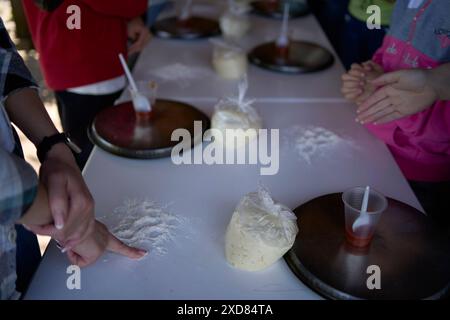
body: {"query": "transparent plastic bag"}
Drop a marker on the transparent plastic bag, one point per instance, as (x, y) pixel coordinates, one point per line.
(229, 60)
(236, 114)
(235, 23)
(260, 232)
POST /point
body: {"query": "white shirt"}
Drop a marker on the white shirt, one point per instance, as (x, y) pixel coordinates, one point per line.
(102, 87)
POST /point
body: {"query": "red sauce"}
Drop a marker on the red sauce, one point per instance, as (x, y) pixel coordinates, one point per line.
(143, 117)
(359, 241)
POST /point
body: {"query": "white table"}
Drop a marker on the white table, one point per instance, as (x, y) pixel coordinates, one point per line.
(195, 265)
(205, 84)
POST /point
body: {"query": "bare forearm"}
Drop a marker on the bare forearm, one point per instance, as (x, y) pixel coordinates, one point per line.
(39, 213)
(440, 81)
(25, 109)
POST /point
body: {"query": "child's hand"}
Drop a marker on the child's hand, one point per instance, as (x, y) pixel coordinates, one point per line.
(403, 93)
(139, 34)
(88, 251)
(356, 84)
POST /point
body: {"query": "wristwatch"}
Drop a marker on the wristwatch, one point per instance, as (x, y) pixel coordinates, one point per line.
(48, 142)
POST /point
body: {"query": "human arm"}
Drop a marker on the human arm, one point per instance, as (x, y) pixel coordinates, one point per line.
(69, 199)
(91, 248)
(139, 34)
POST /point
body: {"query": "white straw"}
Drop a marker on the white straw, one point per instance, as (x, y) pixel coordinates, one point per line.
(128, 73)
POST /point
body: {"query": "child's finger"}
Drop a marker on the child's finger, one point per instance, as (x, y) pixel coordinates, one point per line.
(348, 77)
(388, 118)
(73, 257)
(370, 65)
(356, 66)
(380, 109)
(352, 96)
(387, 78)
(351, 90)
(364, 96)
(117, 246)
(377, 116)
(373, 99)
(357, 73)
(351, 86)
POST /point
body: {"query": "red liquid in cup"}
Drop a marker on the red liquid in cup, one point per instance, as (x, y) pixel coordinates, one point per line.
(143, 117)
(359, 241)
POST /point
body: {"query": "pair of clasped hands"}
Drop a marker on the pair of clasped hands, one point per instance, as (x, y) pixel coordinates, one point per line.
(384, 97)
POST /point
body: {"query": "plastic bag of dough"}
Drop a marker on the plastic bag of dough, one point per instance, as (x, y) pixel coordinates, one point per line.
(260, 232)
(234, 23)
(229, 60)
(237, 116)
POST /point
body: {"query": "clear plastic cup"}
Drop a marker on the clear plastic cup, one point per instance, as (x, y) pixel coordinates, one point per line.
(362, 235)
(149, 89)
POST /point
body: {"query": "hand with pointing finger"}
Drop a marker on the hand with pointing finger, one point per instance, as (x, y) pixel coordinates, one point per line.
(88, 251)
(69, 200)
(400, 94)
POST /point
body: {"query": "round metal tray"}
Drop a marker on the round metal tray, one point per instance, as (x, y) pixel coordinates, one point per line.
(303, 57)
(268, 9)
(412, 253)
(115, 129)
(194, 28)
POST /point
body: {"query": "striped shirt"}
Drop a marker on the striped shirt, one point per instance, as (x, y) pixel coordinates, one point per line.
(18, 181)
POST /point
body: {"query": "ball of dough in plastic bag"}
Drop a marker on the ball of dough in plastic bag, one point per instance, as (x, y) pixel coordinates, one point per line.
(234, 26)
(229, 64)
(260, 232)
(237, 122)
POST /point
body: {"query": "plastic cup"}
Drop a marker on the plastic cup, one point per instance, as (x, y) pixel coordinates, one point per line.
(363, 234)
(149, 89)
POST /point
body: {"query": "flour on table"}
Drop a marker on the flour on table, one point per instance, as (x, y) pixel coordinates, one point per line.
(311, 141)
(180, 73)
(145, 224)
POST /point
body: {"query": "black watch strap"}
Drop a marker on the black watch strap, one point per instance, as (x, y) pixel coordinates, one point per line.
(48, 142)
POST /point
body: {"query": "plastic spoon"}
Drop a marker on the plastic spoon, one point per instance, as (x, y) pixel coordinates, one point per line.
(186, 11)
(283, 40)
(364, 218)
(140, 102)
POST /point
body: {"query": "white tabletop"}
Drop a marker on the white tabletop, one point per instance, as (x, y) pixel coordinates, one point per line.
(203, 83)
(194, 266)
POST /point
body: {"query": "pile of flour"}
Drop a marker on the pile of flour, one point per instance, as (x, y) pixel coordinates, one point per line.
(145, 224)
(180, 73)
(312, 141)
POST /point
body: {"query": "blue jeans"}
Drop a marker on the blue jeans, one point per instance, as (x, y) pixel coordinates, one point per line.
(154, 11)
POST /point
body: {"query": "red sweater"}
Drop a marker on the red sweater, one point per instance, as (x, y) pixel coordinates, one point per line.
(78, 57)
